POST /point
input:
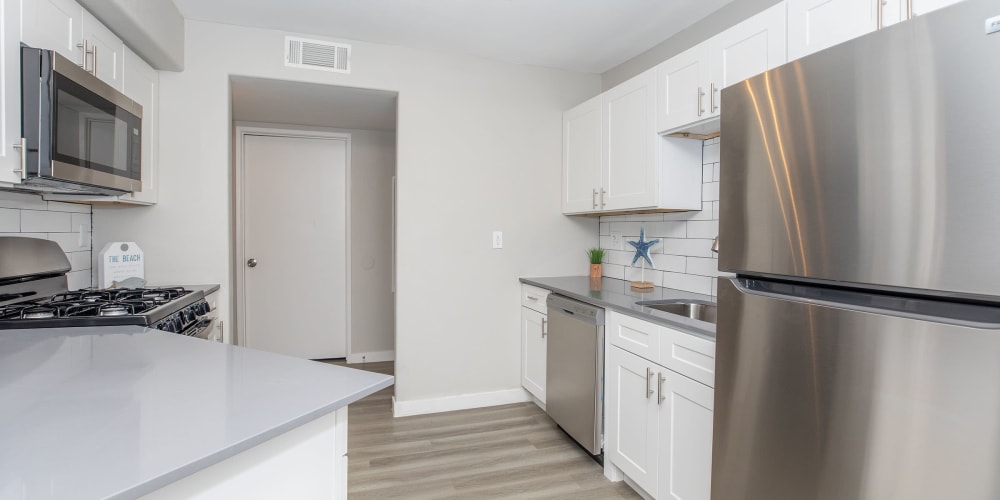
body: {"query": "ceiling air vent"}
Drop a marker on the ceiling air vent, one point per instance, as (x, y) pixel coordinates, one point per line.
(317, 54)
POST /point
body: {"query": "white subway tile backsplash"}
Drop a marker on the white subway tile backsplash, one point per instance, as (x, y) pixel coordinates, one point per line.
(683, 259)
(703, 266)
(22, 200)
(687, 247)
(58, 206)
(79, 260)
(710, 191)
(606, 242)
(688, 282)
(667, 229)
(78, 279)
(68, 224)
(37, 221)
(710, 153)
(703, 229)
(81, 222)
(10, 220)
(71, 242)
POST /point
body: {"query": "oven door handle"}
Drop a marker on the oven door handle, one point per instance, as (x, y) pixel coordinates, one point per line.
(202, 328)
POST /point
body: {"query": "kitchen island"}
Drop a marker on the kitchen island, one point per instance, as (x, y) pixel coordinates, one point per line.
(122, 412)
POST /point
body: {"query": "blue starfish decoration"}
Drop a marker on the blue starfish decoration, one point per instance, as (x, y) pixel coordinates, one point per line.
(642, 247)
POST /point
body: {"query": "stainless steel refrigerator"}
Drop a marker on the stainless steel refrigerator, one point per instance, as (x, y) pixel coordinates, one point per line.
(858, 346)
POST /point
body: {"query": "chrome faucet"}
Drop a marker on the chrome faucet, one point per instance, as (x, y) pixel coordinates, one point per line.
(715, 245)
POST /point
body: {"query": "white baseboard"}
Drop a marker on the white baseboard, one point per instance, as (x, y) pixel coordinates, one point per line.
(371, 357)
(462, 402)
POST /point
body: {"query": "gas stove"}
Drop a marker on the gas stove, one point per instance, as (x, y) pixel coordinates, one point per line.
(33, 294)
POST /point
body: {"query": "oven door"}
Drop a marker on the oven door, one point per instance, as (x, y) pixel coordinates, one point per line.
(203, 328)
(81, 134)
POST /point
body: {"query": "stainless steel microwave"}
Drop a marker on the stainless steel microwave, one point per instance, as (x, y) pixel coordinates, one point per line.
(80, 134)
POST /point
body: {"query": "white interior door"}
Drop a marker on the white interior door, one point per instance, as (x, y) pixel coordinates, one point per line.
(295, 245)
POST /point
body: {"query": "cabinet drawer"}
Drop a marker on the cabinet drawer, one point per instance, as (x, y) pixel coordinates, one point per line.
(689, 355)
(634, 335)
(533, 298)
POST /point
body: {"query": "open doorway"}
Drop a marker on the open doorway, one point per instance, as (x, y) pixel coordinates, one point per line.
(278, 125)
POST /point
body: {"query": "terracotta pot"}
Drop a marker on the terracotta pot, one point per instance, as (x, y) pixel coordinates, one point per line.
(595, 270)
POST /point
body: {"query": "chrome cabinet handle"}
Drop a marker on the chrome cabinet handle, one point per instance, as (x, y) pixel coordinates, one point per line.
(909, 9)
(252, 263)
(532, 297)
(649, 376)
(878, 15)
(711, 97)
(545, 327)
(593, 198)
(701, 94)
(603, 192)
(23, 148)
(88, 50)
(659, 389)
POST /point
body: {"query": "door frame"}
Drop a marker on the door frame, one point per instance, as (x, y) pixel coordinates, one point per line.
(239, 177)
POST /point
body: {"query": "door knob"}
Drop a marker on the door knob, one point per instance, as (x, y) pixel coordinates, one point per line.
(251, 262)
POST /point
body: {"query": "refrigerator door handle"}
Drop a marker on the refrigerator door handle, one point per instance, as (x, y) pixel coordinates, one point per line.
(898, 304)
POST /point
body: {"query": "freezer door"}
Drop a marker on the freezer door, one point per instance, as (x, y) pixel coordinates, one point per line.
(818, 400)
(875, 161)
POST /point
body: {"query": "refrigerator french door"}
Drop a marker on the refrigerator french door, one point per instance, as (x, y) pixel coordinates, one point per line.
(858, 344)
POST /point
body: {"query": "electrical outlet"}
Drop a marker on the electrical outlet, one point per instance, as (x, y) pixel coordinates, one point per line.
(497, 239)
(616, 240)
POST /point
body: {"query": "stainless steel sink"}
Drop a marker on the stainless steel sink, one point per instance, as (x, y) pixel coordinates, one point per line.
(694, 309)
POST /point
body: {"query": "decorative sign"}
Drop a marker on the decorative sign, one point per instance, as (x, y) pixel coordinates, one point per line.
(119, 261)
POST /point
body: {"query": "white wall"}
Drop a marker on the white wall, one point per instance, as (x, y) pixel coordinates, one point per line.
(68, 224)
(478, 149)
(683, 259)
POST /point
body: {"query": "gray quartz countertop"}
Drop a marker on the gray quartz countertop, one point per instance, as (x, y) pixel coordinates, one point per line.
(122, 411)
(617, 295)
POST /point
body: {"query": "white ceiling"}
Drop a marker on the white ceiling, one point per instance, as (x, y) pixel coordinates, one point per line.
(590, 36)
(278, 101)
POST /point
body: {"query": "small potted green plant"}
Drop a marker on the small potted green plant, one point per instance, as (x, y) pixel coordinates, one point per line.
(596, 256)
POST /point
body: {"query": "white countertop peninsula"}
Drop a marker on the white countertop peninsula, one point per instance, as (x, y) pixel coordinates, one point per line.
(122, 412)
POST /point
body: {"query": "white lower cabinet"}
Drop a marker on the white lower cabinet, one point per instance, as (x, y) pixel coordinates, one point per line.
(658, 422)
(533, 352)
(534, 340)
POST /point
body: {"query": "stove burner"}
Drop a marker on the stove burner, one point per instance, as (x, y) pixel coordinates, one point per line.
(114, 310)
(38, 313)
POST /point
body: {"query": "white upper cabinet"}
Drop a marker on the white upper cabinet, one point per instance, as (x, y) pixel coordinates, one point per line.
(105, 51)
(682, 85)
(747, 49)
(921, 7)
(689, 85)
(629, 159)
(142, 84)
(53, 24)
(10, 91)
(582, 157)
(814, 25)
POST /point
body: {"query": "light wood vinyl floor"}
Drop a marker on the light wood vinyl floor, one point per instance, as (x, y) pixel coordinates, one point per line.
(511, 451)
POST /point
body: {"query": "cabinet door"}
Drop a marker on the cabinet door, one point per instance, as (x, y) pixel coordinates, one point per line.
(10, 91)
(533, 352)
(629, 164)
(814, 25)
(747, 49)
(681, 89)
(921, 7)
(631, 420)
(53, 24)
(142, 83)
(685, 462)
(108, 50)
(582, 157)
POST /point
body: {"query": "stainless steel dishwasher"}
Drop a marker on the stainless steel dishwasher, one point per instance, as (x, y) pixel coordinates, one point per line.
(574, 376)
